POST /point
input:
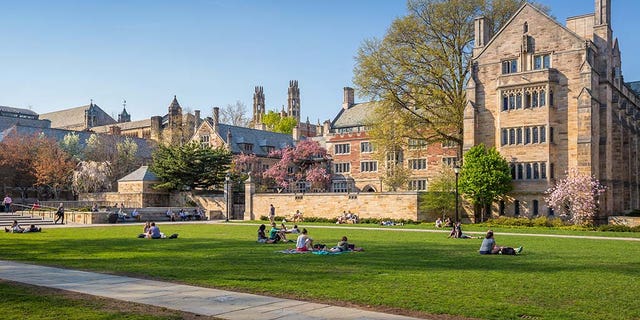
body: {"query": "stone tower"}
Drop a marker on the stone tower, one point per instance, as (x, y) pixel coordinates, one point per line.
(258, 106)
(90, 116)
(293, 100)
(124, 116)
(173, 134)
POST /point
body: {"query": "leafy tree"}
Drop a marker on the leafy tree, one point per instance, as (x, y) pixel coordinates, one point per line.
(120, 153)
(53, 167)
(275, 122)
(440, 198)
(485, 176)
(190, 166)
(307, 160)
(92, 176)
(235, 114)
(420, 68)
(576, 196)
(18, 160)
(71, 145)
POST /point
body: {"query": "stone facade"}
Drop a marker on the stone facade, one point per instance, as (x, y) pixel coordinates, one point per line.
(551, 97)
(396, 205)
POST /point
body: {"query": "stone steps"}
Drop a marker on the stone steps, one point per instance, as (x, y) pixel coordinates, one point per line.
(6, 219)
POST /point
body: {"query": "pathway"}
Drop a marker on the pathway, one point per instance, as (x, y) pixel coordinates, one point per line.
(204, 301)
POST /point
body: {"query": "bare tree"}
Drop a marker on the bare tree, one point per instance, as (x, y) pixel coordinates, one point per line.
(235, 114)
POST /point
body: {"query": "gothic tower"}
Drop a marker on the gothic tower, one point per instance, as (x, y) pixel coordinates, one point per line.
(293, 102)
(124, 116)
(174, 124)
(90, 116)
(258, 106)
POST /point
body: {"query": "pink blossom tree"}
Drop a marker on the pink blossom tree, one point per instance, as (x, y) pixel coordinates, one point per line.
(245, 165)
(304, 163)
(576, 196)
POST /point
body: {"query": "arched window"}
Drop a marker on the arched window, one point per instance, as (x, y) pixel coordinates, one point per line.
(528, 170)
(520, 171)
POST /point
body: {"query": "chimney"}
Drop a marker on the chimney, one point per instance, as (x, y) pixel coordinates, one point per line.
(296, 133)
(216, 116)
(348, 98)
(482, 33)
(229, 139)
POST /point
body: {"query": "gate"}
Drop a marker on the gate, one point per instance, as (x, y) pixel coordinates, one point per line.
(237, 206)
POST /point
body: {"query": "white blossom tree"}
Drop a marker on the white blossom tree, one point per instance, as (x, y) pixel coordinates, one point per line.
(92, 176)
(576, 196)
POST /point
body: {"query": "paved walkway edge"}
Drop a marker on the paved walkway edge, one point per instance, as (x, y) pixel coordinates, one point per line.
(198, 300)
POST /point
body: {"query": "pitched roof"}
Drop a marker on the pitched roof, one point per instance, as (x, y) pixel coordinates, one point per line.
(74, 116)
(355, 116)
(144, 146)
(145, 123)
(18, 111)
(141, 174)
(260, 139)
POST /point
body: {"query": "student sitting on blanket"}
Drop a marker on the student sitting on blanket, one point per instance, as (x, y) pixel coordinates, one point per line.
(343, 245)
(262, 235)
(304, 242)
(276, 234)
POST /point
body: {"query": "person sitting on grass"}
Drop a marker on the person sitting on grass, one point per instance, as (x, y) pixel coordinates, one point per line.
(262, 236)
(15, 228)
(295, 229)
(276, 234)
(489, 246)
(439, 222)
(154, 232)
(304, 243)
(342, 246)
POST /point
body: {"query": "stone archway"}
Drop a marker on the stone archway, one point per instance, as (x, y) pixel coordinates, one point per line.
(369, 188)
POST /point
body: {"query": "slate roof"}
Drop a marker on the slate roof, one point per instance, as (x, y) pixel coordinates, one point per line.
(18, 111)
(74, 116)
(260, 139)
(145, 123)
(634, 86)
(355, 116)
(144, 146)
(141, 174)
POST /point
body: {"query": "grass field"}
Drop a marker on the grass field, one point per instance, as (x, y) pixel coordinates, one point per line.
(401, 269)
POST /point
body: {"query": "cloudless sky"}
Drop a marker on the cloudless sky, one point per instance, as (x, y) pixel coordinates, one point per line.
(60, 54)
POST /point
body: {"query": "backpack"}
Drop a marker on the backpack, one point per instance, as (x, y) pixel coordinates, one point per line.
(508, 251)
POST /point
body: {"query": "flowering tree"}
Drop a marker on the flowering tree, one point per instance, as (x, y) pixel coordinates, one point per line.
(575, 196)
(53, 167)
(92, 176)
(306, 162)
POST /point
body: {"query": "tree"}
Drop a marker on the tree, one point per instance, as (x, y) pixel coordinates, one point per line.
(19, 153)
(235, 114)
(190, 166)
(53, 167)
(275, 122)
(91, 176)
(307, 161)
(576, 196)
(71, 145)
(440, 198)
(485, 176)
(121, 153)
(420, 68)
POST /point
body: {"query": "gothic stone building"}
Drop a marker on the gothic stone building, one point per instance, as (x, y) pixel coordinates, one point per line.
(551, 97)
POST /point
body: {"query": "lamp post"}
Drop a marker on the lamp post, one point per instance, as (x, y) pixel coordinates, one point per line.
(456, 170)
(227, 193)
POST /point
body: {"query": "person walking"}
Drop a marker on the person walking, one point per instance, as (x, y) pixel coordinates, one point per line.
(7, 203)
(60, 214)
(272, 213)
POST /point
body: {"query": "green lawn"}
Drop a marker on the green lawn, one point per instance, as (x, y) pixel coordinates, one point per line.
(554, 278)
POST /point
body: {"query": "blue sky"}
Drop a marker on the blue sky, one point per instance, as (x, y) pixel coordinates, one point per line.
(60, 54)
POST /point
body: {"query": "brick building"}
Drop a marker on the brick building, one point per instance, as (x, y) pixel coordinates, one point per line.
(551, 97)
(354, 166)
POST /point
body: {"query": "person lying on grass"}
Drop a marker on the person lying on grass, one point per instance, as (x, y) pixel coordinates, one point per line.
(342, 245)
(489, 246)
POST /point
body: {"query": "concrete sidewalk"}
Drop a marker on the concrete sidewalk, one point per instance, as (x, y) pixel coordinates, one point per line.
(198, 300)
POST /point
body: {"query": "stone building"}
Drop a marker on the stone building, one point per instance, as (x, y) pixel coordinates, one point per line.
(354, 167)
(302, 129)
(79, 118)
(551, 97)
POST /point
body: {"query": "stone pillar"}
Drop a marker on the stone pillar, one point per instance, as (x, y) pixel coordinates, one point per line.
(249, 191)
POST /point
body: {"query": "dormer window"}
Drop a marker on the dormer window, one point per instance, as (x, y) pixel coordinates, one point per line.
(246, 147)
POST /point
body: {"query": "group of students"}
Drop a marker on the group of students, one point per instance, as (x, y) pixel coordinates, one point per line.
(304, 242)
(152, 231)
(16, 228)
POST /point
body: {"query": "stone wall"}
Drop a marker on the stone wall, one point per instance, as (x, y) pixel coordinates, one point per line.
(624, 221)
(397, 205)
